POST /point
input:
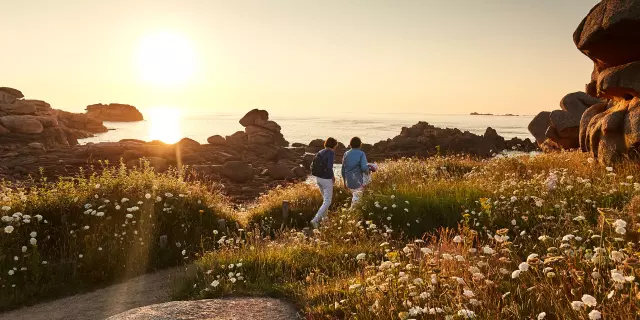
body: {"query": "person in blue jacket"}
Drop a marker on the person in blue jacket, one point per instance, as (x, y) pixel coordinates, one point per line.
(354, 167)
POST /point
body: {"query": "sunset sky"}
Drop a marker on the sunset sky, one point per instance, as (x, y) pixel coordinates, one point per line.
(296, 56)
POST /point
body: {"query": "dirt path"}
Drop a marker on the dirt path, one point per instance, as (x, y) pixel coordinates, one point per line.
(141, 291)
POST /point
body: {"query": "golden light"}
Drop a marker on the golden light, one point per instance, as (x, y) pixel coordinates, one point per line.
(166, 58)
(164, 124)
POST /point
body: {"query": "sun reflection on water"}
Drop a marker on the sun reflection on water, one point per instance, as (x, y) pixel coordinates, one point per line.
(164, 124)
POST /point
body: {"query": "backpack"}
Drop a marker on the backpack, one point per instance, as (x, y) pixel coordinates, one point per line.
(319, 164)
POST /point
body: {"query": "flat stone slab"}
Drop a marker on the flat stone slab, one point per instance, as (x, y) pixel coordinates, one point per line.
(214, 309)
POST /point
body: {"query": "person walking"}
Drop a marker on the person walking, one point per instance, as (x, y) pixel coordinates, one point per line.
(322, 169)
(354, 168)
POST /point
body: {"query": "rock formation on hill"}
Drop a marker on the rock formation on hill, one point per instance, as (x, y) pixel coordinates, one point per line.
(559, 129)
(114, 112)
(610, 36)
(25, 121)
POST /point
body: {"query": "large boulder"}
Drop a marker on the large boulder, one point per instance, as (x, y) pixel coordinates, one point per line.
(22, 124)
(218, 309)
(609, 33)
(280, 172)
(238, 171)
(560, 129)
(9, 95)
(610, 36)
(18, 107)
(539, 125)
(114, 112)
(254, 116)
(239, 138)
(217, 140)
(620, 81)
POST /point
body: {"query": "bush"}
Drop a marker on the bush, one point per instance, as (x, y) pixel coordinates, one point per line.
(76, 234)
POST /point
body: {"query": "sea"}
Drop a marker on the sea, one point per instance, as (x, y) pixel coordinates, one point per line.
(170, 126)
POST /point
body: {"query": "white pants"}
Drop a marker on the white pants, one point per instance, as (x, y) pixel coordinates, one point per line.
(356, 196)
(326, 189)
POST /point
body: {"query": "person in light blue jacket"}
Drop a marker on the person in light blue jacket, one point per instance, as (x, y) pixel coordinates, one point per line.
(354, 167)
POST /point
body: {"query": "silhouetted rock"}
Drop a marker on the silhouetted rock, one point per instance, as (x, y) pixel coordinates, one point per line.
(425, 140)
(114, 112)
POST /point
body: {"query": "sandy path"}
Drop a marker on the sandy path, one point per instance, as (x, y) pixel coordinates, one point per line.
(141, 291)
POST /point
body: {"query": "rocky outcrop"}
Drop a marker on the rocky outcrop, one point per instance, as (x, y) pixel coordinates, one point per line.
(114, 112)
(560, 129)
(610, 36)
(260, 130)
(25, 121)
(424, 140)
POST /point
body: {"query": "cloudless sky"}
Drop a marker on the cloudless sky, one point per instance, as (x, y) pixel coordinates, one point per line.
(301, 56)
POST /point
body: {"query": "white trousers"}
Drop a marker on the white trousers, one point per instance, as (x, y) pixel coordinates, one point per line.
(356, 196)
(326, 189)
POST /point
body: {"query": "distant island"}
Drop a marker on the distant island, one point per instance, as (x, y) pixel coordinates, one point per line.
(491, 114)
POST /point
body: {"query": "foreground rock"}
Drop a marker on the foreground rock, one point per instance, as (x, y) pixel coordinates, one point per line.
(219, 309)
(610, 36)
(114, 112)
(560, 129)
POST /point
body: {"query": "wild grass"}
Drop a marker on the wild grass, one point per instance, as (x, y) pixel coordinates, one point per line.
(546, 237)
(76, 234)
(304, 200)
(553, 236)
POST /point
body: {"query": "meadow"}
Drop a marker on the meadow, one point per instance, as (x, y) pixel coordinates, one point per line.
(553, 236)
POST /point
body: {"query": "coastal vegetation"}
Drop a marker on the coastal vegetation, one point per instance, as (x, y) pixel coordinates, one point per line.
(554, 236)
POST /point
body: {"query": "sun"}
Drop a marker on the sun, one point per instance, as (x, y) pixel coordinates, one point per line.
(164, 124)
(166, 58)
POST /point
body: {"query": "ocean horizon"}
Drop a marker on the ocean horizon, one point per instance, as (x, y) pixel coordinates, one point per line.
(371, 127)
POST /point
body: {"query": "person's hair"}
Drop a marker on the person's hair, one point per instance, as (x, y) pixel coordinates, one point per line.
(355, 142)
(330, 143)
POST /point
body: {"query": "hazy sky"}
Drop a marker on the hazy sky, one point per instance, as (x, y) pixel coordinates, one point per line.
(298, 56)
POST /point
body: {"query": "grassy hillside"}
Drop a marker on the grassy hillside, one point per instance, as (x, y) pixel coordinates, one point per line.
(548, 237)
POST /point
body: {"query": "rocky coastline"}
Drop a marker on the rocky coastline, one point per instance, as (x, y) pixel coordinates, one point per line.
(39, 140)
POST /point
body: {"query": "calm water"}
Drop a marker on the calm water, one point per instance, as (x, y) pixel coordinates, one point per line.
(370, 127)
